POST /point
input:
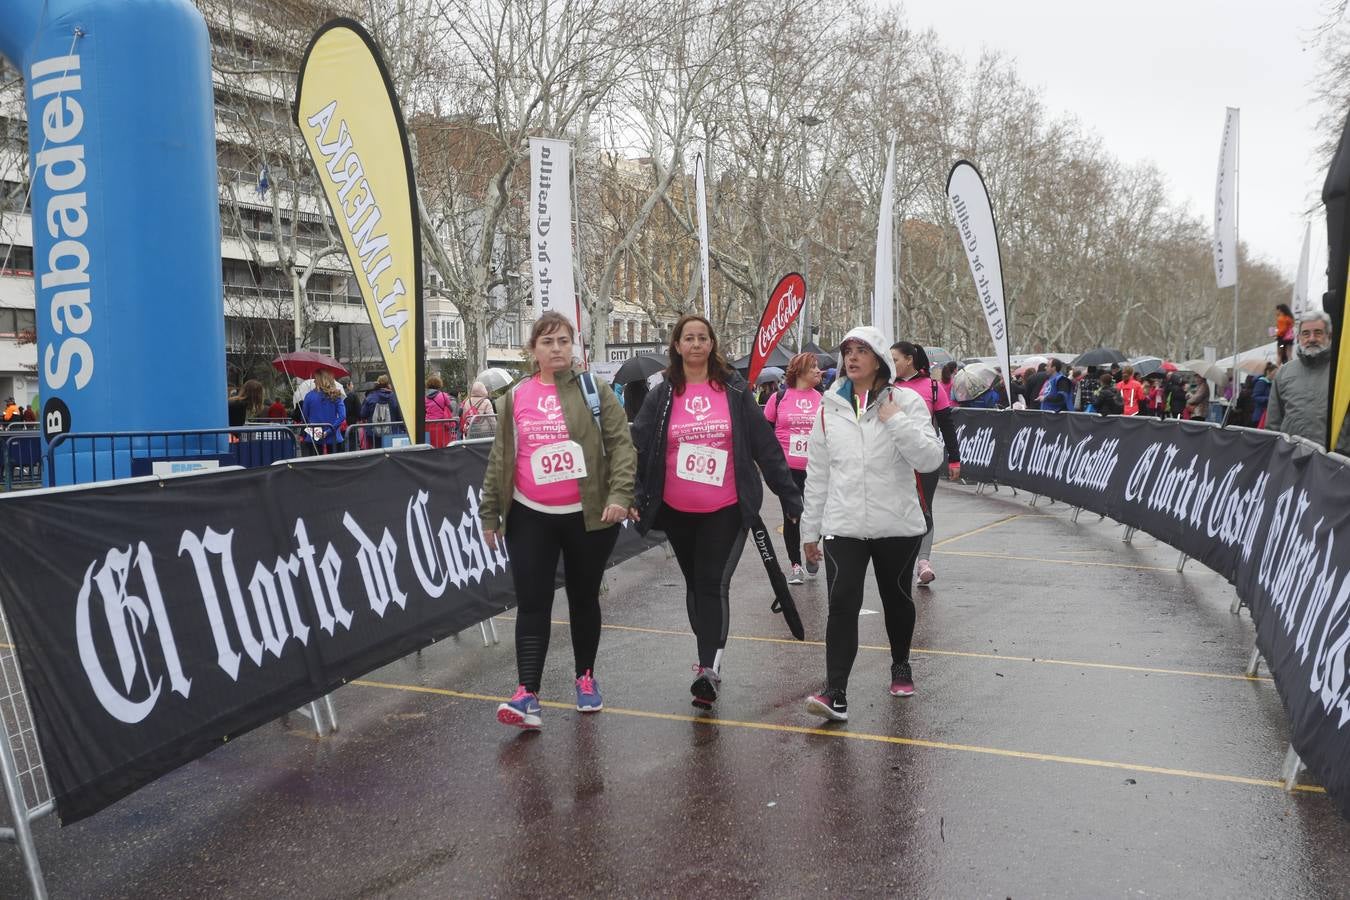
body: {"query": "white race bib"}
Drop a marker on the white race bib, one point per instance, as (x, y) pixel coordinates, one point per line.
(705, 465)
(797, 446)
(561, 461)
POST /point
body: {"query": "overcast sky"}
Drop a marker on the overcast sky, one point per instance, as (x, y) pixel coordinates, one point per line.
(1152, 77)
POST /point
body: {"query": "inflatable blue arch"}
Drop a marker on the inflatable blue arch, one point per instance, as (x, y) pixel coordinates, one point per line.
(126, 221)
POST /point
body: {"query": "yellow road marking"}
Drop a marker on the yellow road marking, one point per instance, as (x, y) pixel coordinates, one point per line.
(1062, 562)
(965, 534)
(1149, 670)
(874, 738)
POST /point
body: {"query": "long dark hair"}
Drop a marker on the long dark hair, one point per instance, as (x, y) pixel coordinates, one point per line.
(719, 373)
(914, 352)
(1284, 308)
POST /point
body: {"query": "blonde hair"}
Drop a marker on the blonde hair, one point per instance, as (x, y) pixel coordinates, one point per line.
(325, 383)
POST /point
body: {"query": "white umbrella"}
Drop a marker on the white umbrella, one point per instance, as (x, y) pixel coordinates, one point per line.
(494, 379)
(769, 373)
(1210, 371)
(972, 381)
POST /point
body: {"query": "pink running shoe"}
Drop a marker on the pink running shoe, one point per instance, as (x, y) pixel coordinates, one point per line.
(926, 573)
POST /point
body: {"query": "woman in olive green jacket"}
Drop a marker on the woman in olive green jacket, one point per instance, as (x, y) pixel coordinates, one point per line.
(559, 481)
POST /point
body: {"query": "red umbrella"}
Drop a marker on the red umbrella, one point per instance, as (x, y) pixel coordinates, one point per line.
(1169, 367)
(304, 363)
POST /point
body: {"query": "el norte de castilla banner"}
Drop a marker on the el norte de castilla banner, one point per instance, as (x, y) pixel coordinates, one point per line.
(233, 598)
(349, 115)
(1269, 514)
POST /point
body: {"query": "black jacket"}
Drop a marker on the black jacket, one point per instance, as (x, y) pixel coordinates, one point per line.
(752, 444)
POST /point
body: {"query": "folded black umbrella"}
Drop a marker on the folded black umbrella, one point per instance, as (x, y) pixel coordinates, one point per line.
(783, 602)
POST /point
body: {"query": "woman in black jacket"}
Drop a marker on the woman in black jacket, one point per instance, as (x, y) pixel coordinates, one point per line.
(702, 443)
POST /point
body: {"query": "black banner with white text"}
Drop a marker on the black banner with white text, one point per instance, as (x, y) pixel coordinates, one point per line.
(155, 620)
(1263, 511)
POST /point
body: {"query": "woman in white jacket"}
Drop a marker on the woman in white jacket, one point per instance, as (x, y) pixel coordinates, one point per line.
(862, 504)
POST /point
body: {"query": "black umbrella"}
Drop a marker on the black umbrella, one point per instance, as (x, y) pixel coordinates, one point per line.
(1101, 356)
(641, 367)
(824, 359)
(779, 357)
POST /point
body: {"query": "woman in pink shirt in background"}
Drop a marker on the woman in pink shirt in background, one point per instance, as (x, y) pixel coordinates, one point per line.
(911, 371)
(792, 412)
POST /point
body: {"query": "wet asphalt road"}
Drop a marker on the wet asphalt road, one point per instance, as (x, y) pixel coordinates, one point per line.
(1081, 728)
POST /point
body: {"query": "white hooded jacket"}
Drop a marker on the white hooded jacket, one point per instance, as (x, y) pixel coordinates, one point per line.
(860, 470)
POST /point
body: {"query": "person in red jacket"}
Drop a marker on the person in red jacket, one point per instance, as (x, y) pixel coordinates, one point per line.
(1131, 391)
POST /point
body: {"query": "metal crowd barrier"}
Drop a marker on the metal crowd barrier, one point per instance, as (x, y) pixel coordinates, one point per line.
(79, 458)
(22, 775)
(379, 435)
(22, 459)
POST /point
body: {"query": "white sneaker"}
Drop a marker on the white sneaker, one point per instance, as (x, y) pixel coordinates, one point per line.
(798, 575)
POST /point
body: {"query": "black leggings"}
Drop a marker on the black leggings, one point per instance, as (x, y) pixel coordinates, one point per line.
(792, 531)
(845, 567)
(534, 540)
(708, 546)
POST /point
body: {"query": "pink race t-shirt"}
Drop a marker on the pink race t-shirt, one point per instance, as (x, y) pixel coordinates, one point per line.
(700, 470)
(792, 418)
(924, 388)
(539, 422)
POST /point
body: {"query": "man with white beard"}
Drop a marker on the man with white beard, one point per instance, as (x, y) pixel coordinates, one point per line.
(1298, 395)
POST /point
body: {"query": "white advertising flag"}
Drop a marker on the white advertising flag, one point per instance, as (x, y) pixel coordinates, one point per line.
(551, 229)
(883, 286)
(1225, 204)
(702, 234)
(1300, 302)
(979, 237)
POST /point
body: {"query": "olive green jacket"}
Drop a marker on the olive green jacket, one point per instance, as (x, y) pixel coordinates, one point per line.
(611, 461)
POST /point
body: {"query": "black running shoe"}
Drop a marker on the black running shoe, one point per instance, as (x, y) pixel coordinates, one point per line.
(829, 704)
(705, 687)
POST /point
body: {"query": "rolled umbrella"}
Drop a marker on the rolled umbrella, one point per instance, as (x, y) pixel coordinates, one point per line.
(782, 602)
(641, 367)
(1099, 356)
(304, 363)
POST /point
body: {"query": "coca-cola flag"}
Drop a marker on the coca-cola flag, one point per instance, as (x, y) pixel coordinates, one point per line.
(785, 303)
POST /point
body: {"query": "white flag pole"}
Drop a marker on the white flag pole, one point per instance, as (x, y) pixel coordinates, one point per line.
(702, 200)
(883, 286)
(1299, 302)
(1237, 156)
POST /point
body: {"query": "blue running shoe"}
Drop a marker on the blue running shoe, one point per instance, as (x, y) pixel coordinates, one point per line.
(522, 710)
(588, 693)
